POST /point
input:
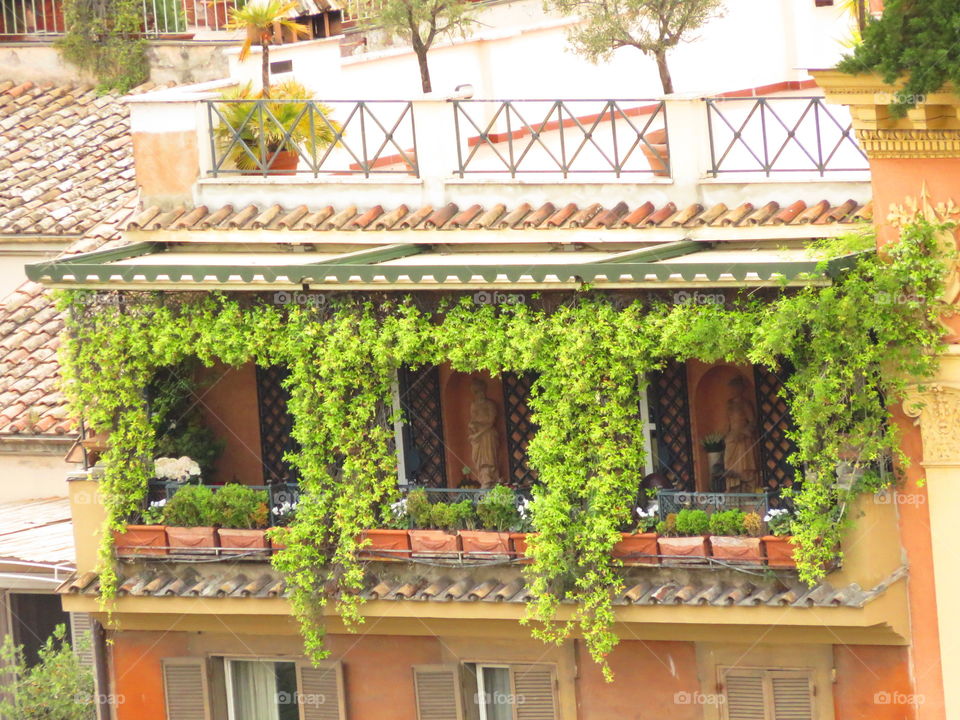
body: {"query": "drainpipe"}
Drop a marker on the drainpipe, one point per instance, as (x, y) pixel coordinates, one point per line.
(101, 674)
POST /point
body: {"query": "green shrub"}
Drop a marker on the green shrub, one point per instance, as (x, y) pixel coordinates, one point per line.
(727, 522)
(692, 522)
(192, 506)
(239, 506)
(752, 524)
(419, 508)
(497, 510)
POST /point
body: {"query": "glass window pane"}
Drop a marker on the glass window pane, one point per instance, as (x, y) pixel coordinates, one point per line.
(287, 691)
(263, 690)
(497, 700)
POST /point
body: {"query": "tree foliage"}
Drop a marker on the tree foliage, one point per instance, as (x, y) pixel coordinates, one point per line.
(916, 39)
(653, 27)
(592, 355)
(259, 18)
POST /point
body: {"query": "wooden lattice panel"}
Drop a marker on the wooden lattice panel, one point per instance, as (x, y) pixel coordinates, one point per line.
(773, 424)
(520, 428)
(670, 412)
(276, 425)
(423, 446)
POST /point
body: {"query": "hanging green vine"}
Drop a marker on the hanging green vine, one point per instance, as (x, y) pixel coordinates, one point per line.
(852, 346)
(105, 38)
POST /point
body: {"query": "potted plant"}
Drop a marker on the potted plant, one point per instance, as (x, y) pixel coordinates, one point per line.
(258, 19)
(518, 540)
(639, 547)
(190, 517)
(497, 515)
(778, 544)
(148, 538)
(433, 533)
(657, 152)
(683, 537)
(240, 512)
(390, 543)
(713, 444)
(735, 536)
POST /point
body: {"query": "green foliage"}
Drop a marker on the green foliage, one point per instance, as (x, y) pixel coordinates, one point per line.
(651, 26)
(191, 506)
(419, 508)
(259, 19)
(779, 521)
(105, 38)
(692, 522)
(591, 356)
(916, 39)
(238, 506)
(56, 688)
(727, 522)
(497, 510)
(752, 524)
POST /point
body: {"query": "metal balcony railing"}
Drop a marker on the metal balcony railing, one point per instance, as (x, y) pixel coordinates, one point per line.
(781, 135)
(283, 497)
(337, 137)
(673, 501)
(566, 137)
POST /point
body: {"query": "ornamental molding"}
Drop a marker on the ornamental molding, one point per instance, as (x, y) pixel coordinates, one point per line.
(936, 408)
(879, 144)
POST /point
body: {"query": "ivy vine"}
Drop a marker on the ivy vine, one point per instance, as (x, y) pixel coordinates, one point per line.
(853, 346)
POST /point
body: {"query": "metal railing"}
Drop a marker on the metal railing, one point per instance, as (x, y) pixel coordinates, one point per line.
(566, 137)
(282, 496)
(337, 137)
(673, 501)
(781, 134)
(158, 17)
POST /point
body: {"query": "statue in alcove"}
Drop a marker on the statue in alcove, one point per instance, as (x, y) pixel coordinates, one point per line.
(482, 432)
(739, 456)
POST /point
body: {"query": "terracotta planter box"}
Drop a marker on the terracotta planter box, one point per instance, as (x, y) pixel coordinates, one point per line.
(386, 544)
(192, 540)
(779, 551)
(637, 549)
(657, 152)
(683, 550)
(746, 550)
(141, 540)
(434, 544)
(518, 544)
(485, 544)
(236, 542)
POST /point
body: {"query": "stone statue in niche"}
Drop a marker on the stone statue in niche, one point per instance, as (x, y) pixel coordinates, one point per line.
(482, 432)
(740, 441)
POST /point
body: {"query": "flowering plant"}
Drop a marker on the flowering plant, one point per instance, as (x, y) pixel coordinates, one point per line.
(179, 469)
(647, 519)
(778, 521)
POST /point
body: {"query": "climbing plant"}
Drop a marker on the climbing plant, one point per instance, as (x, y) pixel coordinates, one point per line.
(854, 346)
(105, 38)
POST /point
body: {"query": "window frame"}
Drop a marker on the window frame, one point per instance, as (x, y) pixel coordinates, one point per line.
(228, 661)
(481, 690)
(766, 675)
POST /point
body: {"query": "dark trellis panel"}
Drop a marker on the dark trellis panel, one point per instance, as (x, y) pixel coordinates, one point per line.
(773, 423)
(520, 428)
(670, 412)
(276, 425)
(423, 447)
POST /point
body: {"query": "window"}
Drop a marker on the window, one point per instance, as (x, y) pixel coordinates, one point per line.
(262, 690)
(755, 694)
(486, 691)
(494, 697)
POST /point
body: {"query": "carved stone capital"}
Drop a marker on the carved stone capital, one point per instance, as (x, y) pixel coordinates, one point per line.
(937, 412)
(909, 143)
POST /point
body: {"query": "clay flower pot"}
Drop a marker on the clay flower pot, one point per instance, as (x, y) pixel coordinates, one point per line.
(637, 549)
(283, 162)
(657, 152)
(141, 540)
(518, 543)
(683, 550)
(779, 550)
(737, 549)
(192, 540)
(434, 544)
(236, 542)
(485, 544)
(386, 544)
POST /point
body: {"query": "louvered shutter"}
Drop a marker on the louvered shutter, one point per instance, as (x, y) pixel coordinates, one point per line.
(792, 695)
(81, 637)
(535, 689)
(437, 688)
(185, 688)
(744, 690)
(321, 692)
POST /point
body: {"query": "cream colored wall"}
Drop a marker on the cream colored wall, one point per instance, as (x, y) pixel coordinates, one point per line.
(26, 476)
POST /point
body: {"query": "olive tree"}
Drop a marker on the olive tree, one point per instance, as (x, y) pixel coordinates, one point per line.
(651, 26)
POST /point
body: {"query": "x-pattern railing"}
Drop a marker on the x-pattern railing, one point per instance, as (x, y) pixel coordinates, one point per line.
(370, 140)
(814, 140)
(612, 137)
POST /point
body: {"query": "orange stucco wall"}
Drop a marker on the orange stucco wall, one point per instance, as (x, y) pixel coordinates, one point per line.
(138, 673)
(873, 683)
(653, 680)
(167, 166)
(894, 179)
(228, 399)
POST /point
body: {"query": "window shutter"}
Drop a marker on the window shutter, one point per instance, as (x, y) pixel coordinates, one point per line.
(792, 695)
(745, 695)
(535, 690)
(81, 637)
(437, 688)
(185, 688)
(321, 692)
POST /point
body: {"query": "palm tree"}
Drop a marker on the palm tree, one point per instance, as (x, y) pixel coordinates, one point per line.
(258, 18)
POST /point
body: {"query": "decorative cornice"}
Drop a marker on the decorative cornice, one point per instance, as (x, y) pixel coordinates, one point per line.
(937, 409)
(909, 143)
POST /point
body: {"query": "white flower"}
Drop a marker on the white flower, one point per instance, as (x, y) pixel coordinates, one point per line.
(180, 469)
(773, 513)
(158, 503)
(644, 514)
(523, 507)
(284, 508)
(399, 509)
